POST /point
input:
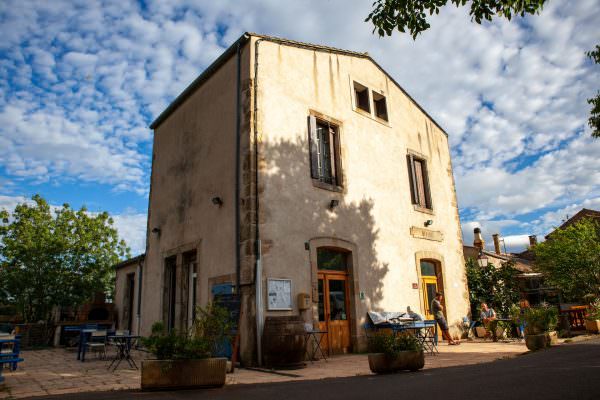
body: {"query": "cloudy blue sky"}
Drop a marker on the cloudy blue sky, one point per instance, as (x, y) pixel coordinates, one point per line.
(80, 81)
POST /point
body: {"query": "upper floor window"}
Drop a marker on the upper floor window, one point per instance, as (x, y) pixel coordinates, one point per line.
(380, 106)
(419, 182)
(361, 95)
(325, 163)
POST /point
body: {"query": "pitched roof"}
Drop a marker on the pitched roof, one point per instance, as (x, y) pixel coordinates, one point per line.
(130, 261)
(241, 41)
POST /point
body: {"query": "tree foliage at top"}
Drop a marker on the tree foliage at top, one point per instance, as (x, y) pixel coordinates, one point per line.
(55, 257)
(496, 286)
(570, 260)
(594, 120)
(411, 15)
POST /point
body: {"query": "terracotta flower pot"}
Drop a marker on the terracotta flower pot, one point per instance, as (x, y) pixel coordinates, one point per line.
(541, 341)
(179, 374)
(592, 326)
(381, 363)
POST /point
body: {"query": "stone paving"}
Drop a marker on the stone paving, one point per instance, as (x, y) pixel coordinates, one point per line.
(56, 371)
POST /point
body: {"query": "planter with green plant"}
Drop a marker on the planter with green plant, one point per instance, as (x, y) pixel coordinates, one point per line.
(592, 320)
(540, 325)
(184, 360)
(392, 353)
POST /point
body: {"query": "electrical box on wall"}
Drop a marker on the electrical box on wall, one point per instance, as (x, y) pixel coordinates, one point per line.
(303, 301)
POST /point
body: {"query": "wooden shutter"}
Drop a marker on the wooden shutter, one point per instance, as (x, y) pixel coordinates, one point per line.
(413, 179)
(420, 183)
(313, 142)
(337, 158)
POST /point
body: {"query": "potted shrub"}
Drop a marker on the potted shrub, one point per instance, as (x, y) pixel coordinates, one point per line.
(391, 353)
(592, 320)
(540, 323)
(183, 360)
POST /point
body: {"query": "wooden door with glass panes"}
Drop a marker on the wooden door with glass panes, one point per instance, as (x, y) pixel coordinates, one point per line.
(334, 300)
(429, 285)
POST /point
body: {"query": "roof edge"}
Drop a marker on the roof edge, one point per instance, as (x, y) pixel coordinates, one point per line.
(287, 42)
(187, 92)
(130, 261)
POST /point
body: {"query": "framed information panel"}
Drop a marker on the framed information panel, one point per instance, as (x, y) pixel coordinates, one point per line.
(279, 293)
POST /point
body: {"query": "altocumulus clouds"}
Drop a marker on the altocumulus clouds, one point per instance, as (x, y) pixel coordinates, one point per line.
(80, 82)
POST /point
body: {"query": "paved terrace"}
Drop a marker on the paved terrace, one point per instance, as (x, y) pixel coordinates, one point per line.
(56, 371)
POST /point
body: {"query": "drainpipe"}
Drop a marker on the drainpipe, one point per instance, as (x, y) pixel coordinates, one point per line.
(237, 172)
(139, 295)
(257, 244)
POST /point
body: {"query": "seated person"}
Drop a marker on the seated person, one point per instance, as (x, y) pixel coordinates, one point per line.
(411, 314)
(488, 318)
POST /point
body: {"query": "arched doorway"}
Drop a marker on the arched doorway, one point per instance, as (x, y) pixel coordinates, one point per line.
(334, 298)
(431, 282)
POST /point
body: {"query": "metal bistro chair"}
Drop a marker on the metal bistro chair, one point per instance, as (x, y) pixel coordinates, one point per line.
(427, 335)
(97, 343)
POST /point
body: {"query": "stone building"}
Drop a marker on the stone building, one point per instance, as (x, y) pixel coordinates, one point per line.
(305, 179)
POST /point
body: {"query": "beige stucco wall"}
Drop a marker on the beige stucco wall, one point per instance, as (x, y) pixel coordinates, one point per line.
(193, 161)
(375, 211)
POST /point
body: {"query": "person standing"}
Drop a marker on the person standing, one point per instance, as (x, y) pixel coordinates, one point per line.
(438, 314)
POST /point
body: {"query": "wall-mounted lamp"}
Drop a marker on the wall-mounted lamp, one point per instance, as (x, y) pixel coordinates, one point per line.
(482, 259)
(429, 222)
(217, 201)
(156, 230)
(333, 204)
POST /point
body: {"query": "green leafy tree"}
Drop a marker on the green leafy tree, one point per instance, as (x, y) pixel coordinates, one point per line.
(55, 257)
(411, 15)
(570, 260)
(594, 120)
(496, 286)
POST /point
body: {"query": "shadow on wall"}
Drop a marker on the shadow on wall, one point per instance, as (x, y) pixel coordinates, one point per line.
(286, 166)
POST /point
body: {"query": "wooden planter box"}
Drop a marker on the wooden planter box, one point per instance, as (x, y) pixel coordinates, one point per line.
(180, 374)
(381, 363)
(592, 326)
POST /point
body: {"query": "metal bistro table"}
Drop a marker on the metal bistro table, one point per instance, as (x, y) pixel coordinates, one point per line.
(124, 343)
(315, 347)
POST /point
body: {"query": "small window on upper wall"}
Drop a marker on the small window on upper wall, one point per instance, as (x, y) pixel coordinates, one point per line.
(380, 106)
(361, 95)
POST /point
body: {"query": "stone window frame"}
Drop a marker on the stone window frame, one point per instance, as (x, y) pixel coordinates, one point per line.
(410, 156)
(337, 157)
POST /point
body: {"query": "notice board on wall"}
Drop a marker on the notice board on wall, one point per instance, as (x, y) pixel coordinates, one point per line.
(279, 293)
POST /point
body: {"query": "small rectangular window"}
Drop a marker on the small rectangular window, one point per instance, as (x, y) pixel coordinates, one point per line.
(325, 165)
(380, 106)
(361, 95)
(419, 182)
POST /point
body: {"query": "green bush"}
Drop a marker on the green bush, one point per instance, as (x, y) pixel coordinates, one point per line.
(208, 333)
(540, 319)
(389, 344)
(594, 311)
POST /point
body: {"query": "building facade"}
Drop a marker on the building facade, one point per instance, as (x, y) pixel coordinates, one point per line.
(309, 181)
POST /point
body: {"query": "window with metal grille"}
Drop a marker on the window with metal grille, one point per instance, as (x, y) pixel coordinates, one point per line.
(325, 165)
(419, 182)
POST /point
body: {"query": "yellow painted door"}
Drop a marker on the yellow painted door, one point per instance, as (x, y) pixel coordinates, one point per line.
(429, 287)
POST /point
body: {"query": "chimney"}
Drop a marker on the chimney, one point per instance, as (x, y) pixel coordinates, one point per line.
(477, 239)
(532, 240)
(496, 243)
